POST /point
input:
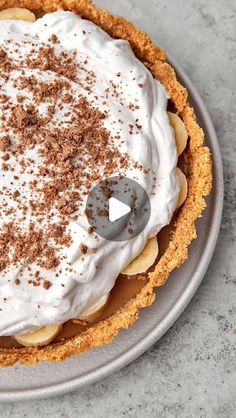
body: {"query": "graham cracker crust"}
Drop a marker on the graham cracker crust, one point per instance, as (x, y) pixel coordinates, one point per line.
(196, 165)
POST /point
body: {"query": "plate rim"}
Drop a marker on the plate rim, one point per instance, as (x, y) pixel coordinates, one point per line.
(146, 342)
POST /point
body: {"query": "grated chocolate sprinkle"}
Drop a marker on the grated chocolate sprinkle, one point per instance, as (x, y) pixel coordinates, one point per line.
(60, 152)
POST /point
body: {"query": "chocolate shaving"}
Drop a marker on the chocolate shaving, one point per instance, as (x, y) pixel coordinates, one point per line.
(75, 151)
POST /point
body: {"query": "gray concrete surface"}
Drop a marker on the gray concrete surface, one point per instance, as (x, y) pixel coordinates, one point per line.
(191, 372)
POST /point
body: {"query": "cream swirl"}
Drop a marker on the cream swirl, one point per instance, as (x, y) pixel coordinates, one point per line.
(79, 282)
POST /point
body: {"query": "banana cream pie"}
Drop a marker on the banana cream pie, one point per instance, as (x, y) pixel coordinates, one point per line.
(86, 96)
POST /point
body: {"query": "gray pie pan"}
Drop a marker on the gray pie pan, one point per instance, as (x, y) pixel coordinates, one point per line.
(48, 379)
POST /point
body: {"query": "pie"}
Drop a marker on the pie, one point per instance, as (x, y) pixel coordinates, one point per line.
(86, 96)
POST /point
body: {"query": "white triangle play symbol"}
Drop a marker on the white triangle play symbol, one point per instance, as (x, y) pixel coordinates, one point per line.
(117, 209)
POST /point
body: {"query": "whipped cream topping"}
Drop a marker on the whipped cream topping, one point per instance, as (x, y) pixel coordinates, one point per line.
(113, 80)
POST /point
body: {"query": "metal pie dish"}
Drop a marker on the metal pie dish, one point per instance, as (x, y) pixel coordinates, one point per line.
(48, 379)
(154, 321)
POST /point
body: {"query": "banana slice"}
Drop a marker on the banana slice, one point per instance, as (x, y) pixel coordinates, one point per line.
(183, 187)
(145, 259)
(18, 14)
(180, 131)
(95, 311)
(40, 337)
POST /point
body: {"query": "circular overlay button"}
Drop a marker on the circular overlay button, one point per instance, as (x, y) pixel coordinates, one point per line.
(118, 209)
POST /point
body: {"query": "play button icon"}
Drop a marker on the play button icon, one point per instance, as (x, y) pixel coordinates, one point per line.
(118, 209)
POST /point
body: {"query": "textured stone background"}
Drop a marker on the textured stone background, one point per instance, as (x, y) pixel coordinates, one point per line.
(191, 372)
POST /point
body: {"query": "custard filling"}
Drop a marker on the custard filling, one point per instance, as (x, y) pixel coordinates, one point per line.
(139, 266)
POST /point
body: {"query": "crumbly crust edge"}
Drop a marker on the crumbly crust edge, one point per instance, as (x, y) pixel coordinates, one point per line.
(197, 167)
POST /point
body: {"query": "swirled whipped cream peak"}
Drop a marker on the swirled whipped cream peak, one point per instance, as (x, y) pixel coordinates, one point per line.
(76, 106)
